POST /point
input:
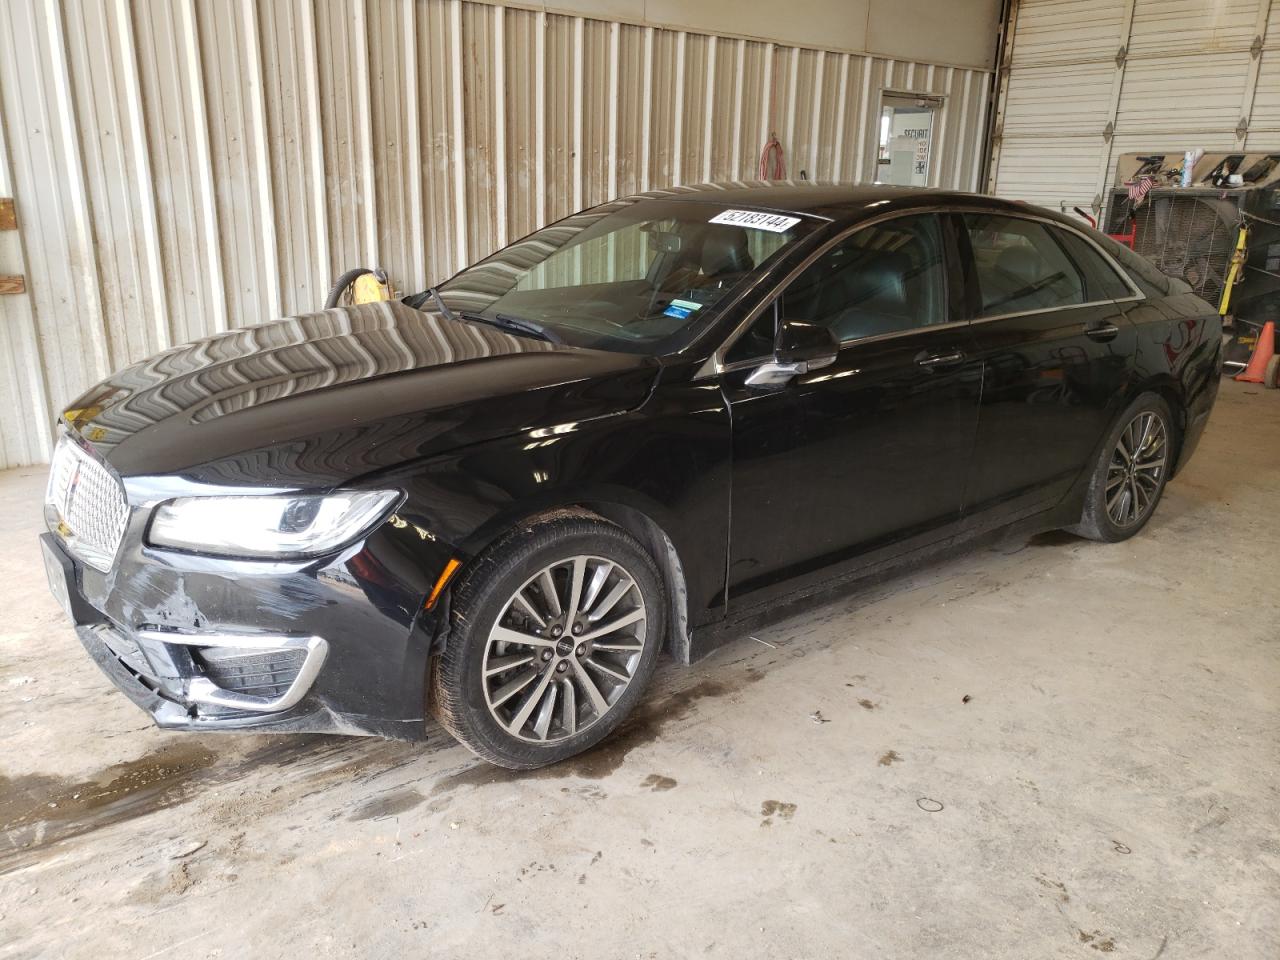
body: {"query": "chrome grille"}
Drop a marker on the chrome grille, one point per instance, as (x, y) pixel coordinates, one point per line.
(86, 505)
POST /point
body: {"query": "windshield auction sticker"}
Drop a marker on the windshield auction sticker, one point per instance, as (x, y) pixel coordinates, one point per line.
(681, 309)
(755, 220)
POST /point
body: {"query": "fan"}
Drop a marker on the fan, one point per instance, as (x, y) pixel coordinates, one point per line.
(1189, 237)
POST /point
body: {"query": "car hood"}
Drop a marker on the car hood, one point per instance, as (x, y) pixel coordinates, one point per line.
(321, 399)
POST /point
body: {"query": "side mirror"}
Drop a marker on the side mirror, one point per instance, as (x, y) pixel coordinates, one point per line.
(801, 347)
(800, 342)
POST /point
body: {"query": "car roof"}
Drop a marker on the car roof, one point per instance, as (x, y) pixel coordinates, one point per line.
(840, 202)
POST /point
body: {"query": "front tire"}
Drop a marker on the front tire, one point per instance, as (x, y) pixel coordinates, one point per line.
(1131, 472)
(556, 631)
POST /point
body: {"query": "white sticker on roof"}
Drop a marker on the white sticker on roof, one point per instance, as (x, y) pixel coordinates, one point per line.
(755, 220)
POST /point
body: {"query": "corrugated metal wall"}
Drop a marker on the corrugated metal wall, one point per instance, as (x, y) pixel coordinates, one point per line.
(185, 167)
(1088, 80)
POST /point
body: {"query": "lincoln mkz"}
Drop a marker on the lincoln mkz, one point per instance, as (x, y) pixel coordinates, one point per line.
(499, 501)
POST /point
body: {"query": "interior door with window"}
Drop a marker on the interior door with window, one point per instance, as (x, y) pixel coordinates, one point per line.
(866, 456)
(1056, 350)
(905, 147)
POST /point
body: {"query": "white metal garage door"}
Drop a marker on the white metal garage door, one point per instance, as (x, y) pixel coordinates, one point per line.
(1088, 80)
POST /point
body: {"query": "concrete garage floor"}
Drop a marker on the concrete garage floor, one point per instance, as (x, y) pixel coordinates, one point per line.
(1110, 787)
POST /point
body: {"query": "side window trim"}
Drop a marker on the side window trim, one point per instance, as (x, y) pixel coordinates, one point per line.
(932, 223)
(1033, 235)
(952, 278)
(1086, 284)
(1107, 263)
(969, 294)
(769, 306)
(715, 364)
(949, 294)
(1135, 293)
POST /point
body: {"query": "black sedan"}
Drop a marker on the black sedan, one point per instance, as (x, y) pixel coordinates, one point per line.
(500, 500)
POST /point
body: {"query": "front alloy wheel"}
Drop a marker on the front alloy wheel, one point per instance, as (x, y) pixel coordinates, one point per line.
(564, 650)
(555, 632)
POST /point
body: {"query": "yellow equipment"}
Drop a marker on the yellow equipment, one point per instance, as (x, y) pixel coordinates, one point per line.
(1238, 257)
(362, 284)
(368, 289)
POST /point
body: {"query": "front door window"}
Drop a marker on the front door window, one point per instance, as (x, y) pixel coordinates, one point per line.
(885, 278)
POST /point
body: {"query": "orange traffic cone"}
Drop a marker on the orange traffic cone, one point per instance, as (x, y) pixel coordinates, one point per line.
(1263, 351)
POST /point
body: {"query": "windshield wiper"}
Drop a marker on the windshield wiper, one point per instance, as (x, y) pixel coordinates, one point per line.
(507, 322)
(438, 300)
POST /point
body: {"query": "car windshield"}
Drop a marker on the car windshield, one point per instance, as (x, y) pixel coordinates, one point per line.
(642, 276)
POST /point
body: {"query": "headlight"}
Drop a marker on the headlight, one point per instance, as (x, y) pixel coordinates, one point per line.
(275, 526)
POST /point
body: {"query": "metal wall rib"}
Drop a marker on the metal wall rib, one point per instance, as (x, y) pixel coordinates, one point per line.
(190, 166)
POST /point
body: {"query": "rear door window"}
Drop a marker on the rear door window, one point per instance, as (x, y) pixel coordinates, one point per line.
(1020, 267)
(1101, 279)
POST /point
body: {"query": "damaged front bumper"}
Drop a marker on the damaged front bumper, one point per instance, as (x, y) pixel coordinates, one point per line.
(176, 693)
(332, 648)
(219, 673)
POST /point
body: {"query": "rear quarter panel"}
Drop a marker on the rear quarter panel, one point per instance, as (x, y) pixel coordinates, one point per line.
(1178, 352)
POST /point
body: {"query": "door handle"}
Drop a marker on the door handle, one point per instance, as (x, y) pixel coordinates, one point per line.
(931, 360)
(1103, 332)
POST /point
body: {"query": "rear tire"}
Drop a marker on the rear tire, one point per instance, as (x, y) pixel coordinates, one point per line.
(1271, 375)
(556, 630)
(1132, 470)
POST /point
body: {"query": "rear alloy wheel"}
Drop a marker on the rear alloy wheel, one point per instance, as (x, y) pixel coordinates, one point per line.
(556, 631)
(1137, 468)
(1131, 474)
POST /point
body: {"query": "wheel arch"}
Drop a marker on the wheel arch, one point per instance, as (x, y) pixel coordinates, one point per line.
(638, 522)
(660, 546)
(1172, 392)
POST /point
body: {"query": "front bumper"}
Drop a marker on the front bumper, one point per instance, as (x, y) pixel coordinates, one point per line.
(217, 673)
(204, 645)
